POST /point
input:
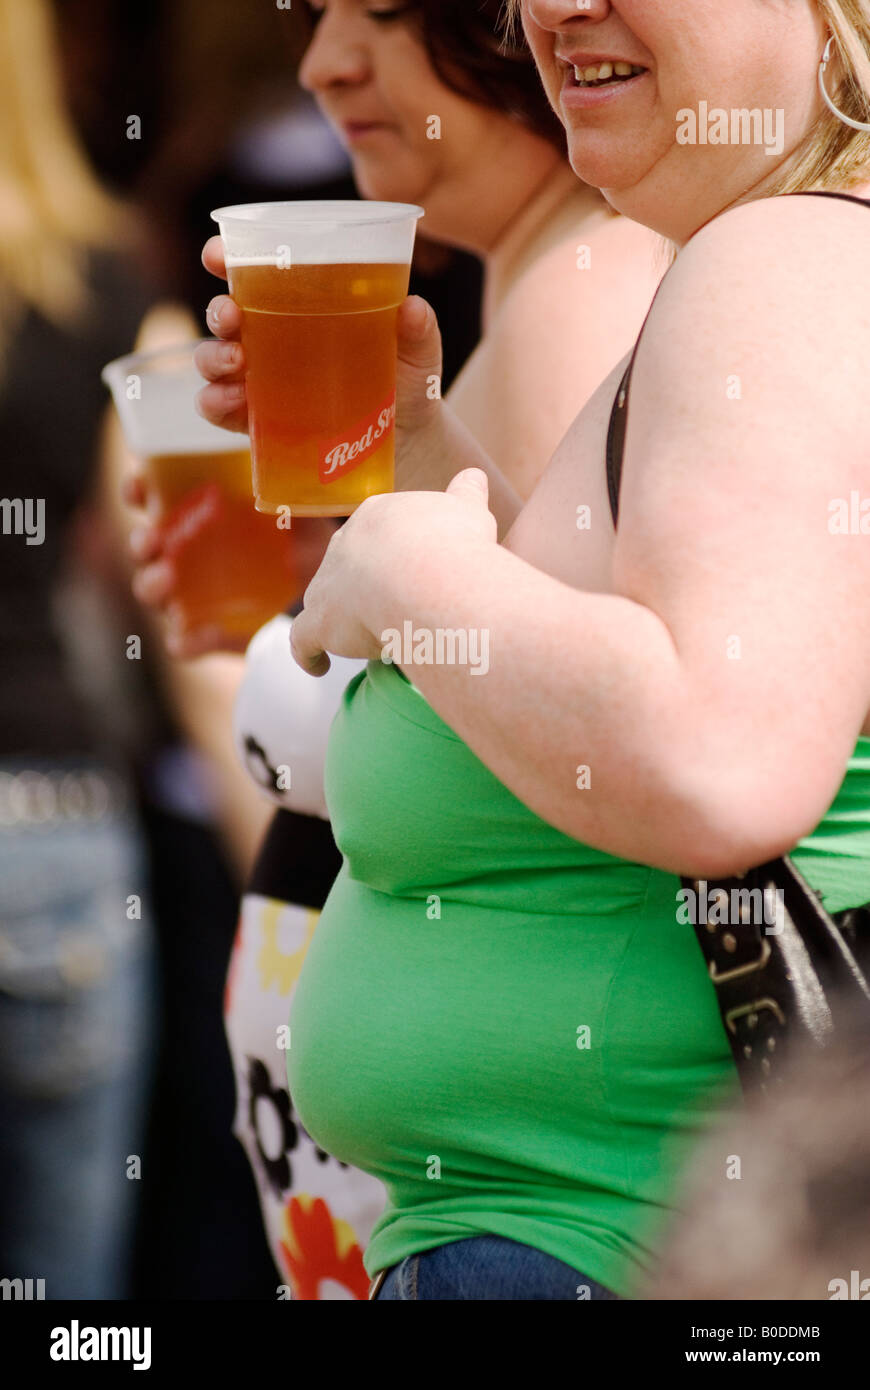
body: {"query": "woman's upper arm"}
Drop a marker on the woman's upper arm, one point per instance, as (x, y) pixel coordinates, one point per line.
(749, 421)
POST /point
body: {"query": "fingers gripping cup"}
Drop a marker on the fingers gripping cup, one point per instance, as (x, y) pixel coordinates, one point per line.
(319, 285)
(234, 568)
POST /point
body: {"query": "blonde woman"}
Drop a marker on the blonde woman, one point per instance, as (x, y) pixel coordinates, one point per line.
(75, 1000)
(686, 693)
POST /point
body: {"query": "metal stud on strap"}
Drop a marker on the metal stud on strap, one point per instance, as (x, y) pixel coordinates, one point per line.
(755, 1007)
(720, 976)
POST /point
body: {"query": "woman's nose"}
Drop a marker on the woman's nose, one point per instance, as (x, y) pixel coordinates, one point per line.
(561, 14)
(333, 56)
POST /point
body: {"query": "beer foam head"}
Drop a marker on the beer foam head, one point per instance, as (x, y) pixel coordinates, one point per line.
(154, 394)
(318, 233)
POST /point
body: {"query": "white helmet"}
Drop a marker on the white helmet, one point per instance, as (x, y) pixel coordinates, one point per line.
(283, 716)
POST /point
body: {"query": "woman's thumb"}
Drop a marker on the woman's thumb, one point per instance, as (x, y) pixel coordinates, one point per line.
(472, 485)
(420, 358)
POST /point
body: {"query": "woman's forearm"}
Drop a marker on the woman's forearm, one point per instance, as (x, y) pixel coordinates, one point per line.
(578, 702)
(429, 456)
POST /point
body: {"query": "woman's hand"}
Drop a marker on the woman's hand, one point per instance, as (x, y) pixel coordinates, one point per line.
(224, 401)
(431, 443)
(155, 579)
(360, 589)
(155, 582)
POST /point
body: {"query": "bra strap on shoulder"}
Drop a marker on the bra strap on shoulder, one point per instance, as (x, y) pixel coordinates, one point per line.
(616, 441)
(619, 414)
(828, 193)
(615, 447)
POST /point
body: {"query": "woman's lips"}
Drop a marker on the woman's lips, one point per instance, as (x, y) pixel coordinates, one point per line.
(574, 98)
(359, 130)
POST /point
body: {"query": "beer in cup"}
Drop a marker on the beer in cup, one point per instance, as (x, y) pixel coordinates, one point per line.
(234, 567)
(319, 285)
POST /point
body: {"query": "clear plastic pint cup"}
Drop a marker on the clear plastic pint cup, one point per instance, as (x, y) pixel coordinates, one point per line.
(234, 568)
(319, 285)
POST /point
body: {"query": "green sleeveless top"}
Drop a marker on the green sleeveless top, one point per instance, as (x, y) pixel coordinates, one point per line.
(508, 1028)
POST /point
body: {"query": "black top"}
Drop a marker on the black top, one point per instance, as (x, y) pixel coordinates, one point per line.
(298, 860)
(51, 404)
(615, 447)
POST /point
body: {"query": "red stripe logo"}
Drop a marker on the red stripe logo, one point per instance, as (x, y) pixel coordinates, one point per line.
(339, 456)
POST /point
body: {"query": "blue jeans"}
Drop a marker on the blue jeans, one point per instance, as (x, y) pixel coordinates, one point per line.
(76, 1033)
(483, 1268)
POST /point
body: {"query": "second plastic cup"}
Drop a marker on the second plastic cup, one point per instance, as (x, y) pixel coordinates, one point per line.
(234, 568)
(319, 285)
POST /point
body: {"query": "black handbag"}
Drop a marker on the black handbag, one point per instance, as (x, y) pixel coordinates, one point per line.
(784, 970)
(786, 973)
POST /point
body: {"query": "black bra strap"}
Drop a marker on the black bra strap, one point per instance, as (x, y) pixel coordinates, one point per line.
(615, 447)
(828, 193)
(616, 441)
(618, 425)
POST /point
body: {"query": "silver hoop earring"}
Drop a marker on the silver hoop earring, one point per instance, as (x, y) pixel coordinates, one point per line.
(847, 120)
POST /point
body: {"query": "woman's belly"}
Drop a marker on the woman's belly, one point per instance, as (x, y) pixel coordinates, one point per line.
(502, 1048)
(493, 1018)
(480, 986)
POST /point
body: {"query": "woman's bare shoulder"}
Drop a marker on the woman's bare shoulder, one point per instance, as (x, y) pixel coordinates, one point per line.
(817, 242)
(608, 263)
(778, 288)
(567, 321)
(576, 310)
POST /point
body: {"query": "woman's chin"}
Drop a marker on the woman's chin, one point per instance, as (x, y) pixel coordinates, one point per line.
(602, 167)
(380, 183)
(590, 166)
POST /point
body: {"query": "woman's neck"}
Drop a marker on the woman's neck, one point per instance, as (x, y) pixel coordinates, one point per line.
(559, 206)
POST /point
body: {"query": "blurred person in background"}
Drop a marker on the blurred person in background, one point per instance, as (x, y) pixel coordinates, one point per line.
(78, 1022)
(199, 1236)
(497, 182)
(776, 1204)
(76, 959)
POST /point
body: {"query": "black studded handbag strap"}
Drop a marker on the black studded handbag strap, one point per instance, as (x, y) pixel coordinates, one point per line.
(783, 969)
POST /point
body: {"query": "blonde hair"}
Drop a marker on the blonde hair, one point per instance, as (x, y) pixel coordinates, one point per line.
(833, 155)
(52, 209)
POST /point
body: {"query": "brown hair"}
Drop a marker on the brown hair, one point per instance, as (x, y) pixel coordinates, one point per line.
(473, 54)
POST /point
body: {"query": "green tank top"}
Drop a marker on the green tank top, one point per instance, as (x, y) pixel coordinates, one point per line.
(506, 1027)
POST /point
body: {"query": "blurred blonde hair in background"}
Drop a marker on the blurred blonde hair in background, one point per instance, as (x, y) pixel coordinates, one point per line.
(52, 208)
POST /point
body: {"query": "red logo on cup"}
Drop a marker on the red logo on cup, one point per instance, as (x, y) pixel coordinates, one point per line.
(196, 511)
(339, 456)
